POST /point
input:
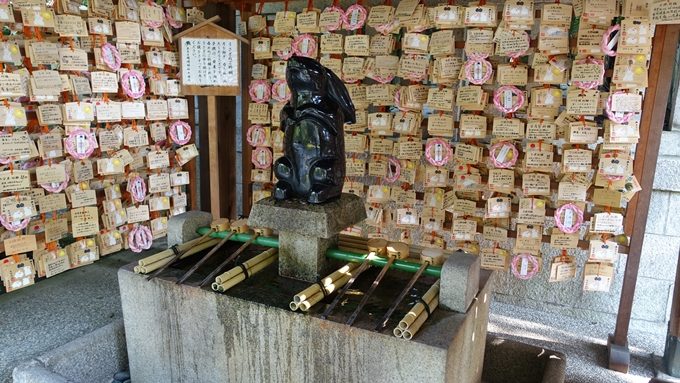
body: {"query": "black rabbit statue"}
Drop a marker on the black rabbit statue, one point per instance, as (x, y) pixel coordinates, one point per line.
(313, 166)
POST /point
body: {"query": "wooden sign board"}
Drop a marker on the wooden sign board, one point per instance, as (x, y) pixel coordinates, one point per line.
(210, 58)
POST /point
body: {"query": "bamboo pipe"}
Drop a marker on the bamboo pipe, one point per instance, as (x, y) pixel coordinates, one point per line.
(413, 329)
(196, 249)
(205, 258)
(397, 332)
(316, 298)
(358, 242)
(169, 253)
(251, 271)
(316, 288)
(344, 247)
(370, 291)
(383, 322)
(293, 306)
(233, 256)
(418, 307)
(249, 263)
(364, 265)
(395, 250)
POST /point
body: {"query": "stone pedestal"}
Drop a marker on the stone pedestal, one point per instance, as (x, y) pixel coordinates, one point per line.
(306, 231)
(182, 227)
(459, 281)
(183, 334)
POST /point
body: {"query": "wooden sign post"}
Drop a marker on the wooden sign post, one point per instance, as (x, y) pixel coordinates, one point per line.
(210, 58)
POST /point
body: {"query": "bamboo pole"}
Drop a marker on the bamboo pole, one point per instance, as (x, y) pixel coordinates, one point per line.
(251, 271)
(169, 253)
(397, 332)
(418, 308)
(205, 258)
(222, 278)
(233, 256)
(413, 329)
(316, 288)
(370, 291)
(196, 249)
(402, 295)
(316, 298)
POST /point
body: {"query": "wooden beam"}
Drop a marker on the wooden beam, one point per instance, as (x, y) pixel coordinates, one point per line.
(192, 189)
(246, 150)
(227, 132)
(204, 143)
(665, 44)
(213, 157)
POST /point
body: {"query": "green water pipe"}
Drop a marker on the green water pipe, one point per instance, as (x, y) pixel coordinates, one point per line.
(262, 241)
(340, 255)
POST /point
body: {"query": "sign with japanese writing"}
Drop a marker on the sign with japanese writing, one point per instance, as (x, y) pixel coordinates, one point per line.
(209, 66)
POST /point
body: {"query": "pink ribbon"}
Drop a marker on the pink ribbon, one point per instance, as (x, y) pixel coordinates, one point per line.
(495, 149)
(137, 188)
(362, 14)
(256, 135)
(590, 84)
(140, 238)
(256, 157)
(259, 91)
(487, 71)
(516, 268)
(619, 118)
(438, 159)
(127, 88)
(604, 44)
(576, 211)
(111, 56)
(501, 92)
(393, 175)
(13, 225)
(311, 45)
(71, 146)
(57, 187)
(341, 18)
(168, 16)
(174, 132)
(276, 91)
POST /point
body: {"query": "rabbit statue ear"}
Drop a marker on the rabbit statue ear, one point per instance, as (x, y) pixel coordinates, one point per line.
(338, 92)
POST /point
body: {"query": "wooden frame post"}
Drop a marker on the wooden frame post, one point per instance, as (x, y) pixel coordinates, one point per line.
(647, 150)
(246, 150)
(213, 158)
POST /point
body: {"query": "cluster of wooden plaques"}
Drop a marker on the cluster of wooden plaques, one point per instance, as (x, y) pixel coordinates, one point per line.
(505, 130)
(94, 131)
